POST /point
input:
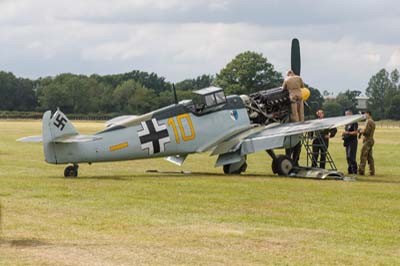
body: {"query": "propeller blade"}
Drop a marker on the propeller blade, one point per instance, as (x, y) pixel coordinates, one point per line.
(174, 90)
(295, 57)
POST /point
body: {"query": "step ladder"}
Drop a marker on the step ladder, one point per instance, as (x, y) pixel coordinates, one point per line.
(307, 142)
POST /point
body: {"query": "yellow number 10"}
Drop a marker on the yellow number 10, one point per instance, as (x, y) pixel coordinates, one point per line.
(179, 118)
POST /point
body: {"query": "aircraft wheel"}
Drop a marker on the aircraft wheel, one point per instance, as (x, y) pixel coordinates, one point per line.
(235, 168)
(71, 171)
(282, 165)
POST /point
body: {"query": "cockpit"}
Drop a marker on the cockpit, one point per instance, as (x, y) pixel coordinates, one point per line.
(208, 99)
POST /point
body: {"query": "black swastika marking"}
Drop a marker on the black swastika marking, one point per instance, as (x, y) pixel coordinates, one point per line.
(60, 122)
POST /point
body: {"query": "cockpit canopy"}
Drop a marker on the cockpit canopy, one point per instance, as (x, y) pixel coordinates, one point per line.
(208, 97)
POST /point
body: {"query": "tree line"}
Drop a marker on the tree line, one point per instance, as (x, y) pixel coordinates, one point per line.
(384, 97)
(138, 92)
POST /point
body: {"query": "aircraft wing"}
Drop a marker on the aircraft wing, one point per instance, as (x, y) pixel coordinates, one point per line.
(274, 137)
(277, 136)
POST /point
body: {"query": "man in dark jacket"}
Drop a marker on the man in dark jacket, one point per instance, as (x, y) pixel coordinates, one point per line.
(321, 143)
(350, 141)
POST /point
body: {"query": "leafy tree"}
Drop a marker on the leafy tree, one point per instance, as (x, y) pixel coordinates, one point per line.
(132, 98)
(326, 93)
(167, 97)
(380, 90)
(53, 96)
(7, 83)
(106, 104)
(24, 95)
(394, 77)
(152, 80)
(123, 94)
(143, 101)
(393, 111)
(348, 100)
(332, 108)
(314, 102)
(200, 82)
(345, 101)
(248, 72)
(16, 93)
(99, 94)
(71, 93)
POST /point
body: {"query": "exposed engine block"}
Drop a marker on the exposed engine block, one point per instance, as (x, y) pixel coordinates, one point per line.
(268, 106)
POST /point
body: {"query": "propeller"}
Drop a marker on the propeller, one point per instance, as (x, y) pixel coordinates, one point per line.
(295, 57)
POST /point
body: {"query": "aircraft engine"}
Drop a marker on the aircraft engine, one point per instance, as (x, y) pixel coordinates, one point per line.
(268, 106)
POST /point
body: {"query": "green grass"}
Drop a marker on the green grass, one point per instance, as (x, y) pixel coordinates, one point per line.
(117, 214)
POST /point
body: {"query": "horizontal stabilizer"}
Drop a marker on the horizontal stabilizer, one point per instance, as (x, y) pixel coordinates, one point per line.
(31, 139)
(76, 139)
(63, 139)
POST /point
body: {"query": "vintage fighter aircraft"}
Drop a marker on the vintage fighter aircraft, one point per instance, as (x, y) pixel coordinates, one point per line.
(230, 127)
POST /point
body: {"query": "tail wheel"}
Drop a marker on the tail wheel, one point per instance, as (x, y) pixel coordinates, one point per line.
(71, 171)
(282, 165)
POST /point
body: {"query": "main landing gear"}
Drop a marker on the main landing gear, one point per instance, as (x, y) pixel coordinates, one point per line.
(281, 164)
(71, 171)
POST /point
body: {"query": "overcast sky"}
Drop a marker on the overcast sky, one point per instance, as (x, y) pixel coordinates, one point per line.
(342, 43)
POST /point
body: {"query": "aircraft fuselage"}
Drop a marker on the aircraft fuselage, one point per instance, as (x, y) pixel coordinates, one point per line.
(173, 130)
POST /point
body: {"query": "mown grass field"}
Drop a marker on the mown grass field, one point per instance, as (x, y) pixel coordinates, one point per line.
(117, 214)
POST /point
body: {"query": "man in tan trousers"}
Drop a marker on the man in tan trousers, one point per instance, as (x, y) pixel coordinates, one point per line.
(368, 143)
(293, 84)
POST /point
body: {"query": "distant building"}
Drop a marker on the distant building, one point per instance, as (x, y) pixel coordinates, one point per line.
(362, 102)
(329, 97)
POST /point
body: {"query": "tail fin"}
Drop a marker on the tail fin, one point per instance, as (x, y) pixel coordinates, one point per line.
(58, 125)
(54, 127)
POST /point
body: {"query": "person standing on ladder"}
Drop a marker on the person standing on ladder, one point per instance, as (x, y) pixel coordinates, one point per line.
(293, 83)
(320, 143)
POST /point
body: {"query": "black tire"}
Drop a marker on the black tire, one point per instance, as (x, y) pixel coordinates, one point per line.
(237, 172)
(70, 171)
(226, 169)
(274, 167)
(282, 165)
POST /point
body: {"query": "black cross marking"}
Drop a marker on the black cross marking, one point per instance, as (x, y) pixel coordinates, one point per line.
(153, 139)
(61, 121)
